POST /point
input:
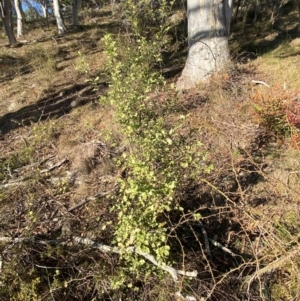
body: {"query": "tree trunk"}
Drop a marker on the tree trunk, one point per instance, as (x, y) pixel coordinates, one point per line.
(44, 5)
(6, 16)
(298, 6)
(208, 31)
(75, 9)
(58, 16)
(20, 17)
(237, 7)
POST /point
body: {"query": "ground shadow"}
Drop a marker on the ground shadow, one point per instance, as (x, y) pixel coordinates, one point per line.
(261, 37)
(52, 106)
(12, 66)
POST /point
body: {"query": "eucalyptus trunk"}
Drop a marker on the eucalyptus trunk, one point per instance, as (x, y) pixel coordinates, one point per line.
(44, 5)
(58, 16)
(20, 18)
(75, 10)
(6, 16)
(298, 7)
(208, 31)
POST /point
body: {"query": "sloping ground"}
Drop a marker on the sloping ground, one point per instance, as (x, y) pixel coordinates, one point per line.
(57, 165)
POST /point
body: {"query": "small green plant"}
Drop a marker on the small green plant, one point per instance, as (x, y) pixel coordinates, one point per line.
(81, 65)
(15, 160)
(161, 157)
(94, 82)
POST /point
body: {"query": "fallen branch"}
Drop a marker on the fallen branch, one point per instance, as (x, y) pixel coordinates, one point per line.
(217, 244)
(54, 166)
(105, 249)
(22, 180)
(207, 249)
(14, 183)
(7, 239)
(91, 198)
(187, 298)
(259, 82)
(34, 165)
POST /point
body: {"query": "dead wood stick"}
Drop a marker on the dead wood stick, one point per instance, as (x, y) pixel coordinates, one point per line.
(54, 166)
(217, 244)
(7, 239)
(207, 248)
(259, 82)
(25, 178)
(105, 249)
(14, 183)
(34, 164)
(91, 198)
(187, 298)
(108, 249)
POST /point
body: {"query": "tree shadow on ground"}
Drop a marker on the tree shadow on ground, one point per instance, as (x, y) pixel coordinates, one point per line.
(253, 41)
(53, 105)
(210, 244)
(173, 63)
(12, 67)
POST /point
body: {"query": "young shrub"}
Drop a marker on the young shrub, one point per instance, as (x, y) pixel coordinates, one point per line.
(278, 110)
(162, 155)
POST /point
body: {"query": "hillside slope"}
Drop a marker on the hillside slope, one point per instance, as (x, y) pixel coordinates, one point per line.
(236, 224)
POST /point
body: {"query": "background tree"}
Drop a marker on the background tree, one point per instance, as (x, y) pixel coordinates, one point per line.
(75, 10)
(6, 16)
(58, 16)
(208, 30)
(45, 6)
(20, 17)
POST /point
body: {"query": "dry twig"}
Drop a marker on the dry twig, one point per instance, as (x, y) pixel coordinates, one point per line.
(105, 249)
(259, 82)
(91, 198)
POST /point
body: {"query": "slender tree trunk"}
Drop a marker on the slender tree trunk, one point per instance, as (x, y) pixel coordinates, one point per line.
(298, 6)
(6, 16)
(44, 5)
(236, 10)
(45, 11)
(256, 10)
(75, 9)
(20, 18)
(58, 16)
(208, 30)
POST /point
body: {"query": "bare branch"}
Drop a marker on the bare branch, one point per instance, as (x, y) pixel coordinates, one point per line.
(91, 198)
(105, 249)
(217, 244)
(23, 179)
(207, 249)
(54, 166)
(259, 82)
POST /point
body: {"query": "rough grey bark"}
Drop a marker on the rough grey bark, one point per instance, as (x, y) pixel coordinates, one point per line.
(20, 17)
(75, 10)
(6, 16)
(208, 31)
(58, 16)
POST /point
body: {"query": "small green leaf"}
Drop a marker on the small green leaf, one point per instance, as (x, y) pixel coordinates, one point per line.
(169, 141)
(184, 164)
